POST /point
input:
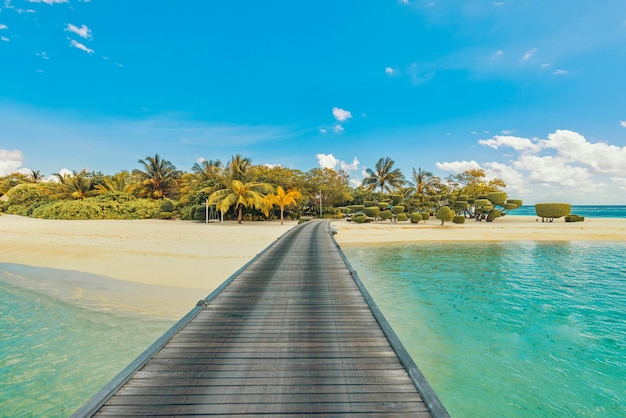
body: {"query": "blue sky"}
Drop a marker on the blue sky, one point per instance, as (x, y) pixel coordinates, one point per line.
(533, 91)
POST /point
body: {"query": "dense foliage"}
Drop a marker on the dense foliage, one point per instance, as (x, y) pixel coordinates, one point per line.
(243, 191)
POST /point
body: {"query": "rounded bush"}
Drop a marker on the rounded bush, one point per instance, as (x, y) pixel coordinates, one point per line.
(359, 218)
(165, 215)
(494, 214)
(372, 211)
(386, 214)
(383, 205)
(497, 198)
(462, 197)
(445, 214)
(415, 218)
(397, 209)
(459, 219)
(509, 206)
(553, 210)
(370, 203)
(402, 216)
(515, 201)
(396, 199)
(461, 205)
(480, 203)
(425, 215)
(356, 208)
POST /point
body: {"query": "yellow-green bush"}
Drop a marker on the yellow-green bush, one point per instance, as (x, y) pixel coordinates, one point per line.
(415, 218)
(458, 219)
(401, 216)
(550, 211)
(497, 198)
(445, 214)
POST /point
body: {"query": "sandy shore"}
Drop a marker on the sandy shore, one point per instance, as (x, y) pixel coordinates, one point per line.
(164, 267)
(149, 266)
(509, 228)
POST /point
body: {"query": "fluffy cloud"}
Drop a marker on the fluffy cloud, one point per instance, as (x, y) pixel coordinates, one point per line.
(458, 166)
(389, 71)
(80, 46)
(338, 128)
(3, 26)
(10, 161)
(560, 72)
(329, 161)
(341, 115)
(83, 31)
(517, 143)
(565, 165)
(623, 123)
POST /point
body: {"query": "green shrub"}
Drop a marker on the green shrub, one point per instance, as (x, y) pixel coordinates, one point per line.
(425, 215)
(386, 214)
(461, 205)
(166, 215)
(497, 198)
(494, 214)
(402, 216)
(458, 219)
(356, 208)
(370, 203)
(108, 206)
(397, 209)
(383, 205)
(445, 214)
(359, 218)
(480, 203)
(462, 197)
(515, 201)
(415, 218)
(372, 211)
(574, 218)
(509, 206)
(549, 211)
(396, 199)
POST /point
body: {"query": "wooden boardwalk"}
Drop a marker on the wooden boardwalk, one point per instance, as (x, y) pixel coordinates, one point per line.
(291, 333)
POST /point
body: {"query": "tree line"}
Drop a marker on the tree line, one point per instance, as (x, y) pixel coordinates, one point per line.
(238, 189)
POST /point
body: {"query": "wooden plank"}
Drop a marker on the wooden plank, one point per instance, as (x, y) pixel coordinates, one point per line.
(290, 333)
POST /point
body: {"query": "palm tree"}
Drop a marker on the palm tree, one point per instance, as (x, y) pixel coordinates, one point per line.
(241, 196)
(117, 183)
(424, 182)
(35, 176)
(208, 171)
(237, 167)
(283, 199)
(71, 186)
(384, 176)
(159, 177)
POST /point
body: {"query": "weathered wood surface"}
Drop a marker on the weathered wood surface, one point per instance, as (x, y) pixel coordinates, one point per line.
(291, 333)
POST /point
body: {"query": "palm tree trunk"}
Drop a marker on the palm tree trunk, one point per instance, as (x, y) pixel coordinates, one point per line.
(282, 208)
(240, 215)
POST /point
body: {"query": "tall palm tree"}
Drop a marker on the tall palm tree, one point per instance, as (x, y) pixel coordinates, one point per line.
(35, 176)
(241, 196)
(283, 199)
(71, 186)
(424, 182)
(384, 176)
(159, 177)
(237, 167)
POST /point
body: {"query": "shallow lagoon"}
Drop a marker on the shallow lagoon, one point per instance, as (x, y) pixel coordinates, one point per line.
(516, 329)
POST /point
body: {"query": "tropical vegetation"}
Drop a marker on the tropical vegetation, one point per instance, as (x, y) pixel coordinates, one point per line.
(240, 190)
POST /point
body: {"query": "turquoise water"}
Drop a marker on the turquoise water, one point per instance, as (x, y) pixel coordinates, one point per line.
(586, 211)
(54, 356)
(522, 329)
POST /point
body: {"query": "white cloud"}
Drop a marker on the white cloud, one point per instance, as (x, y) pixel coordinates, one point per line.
(329, 161)
(555, 172)
(3, 26)
(4, 38)
(517, 143)
(620, 181)
(599, 156)
(83, 31)
(623, 123)
(529, 54)
(389, 71)
(458, 166)
(338, 128)
(561, 72)
(498, 53)
(80, 46)
(43, 55)
(341, 115)
(50, 2)
(10, 161)
(323, 130)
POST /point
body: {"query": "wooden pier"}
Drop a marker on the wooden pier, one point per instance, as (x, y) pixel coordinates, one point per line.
(292, 333)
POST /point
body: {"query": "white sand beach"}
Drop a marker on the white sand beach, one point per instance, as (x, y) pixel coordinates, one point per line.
(165, 267)
(151, 266)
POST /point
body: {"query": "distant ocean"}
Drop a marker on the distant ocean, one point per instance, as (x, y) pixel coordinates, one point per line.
(586, 211)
